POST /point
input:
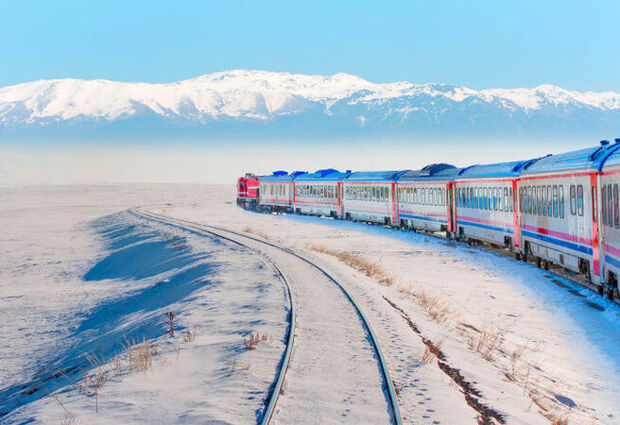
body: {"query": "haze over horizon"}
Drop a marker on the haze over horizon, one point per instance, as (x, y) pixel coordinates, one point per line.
(366, 85)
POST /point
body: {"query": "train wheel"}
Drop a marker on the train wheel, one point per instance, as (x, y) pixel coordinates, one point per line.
(545, 265)
(517, 255)
(539, 262)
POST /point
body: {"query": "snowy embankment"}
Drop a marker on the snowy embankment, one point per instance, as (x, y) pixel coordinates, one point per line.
(96, 333)
(470, 336)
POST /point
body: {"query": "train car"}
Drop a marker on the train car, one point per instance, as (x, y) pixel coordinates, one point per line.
(609, 172)
(423, 198)
(276, 191)
(486, 205)
(318, 193)
(247, 191)
(559, 197)
(370, 196)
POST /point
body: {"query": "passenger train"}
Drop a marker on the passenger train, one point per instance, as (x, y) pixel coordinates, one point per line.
(557, 210)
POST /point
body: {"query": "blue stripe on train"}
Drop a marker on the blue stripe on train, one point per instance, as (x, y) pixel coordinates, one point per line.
(560, 242)
(418, 217)
(612, 261)
(484, 226)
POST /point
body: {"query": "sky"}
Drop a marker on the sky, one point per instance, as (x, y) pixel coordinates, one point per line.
(479, 44)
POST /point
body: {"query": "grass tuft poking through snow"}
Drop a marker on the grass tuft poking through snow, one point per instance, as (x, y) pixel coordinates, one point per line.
(248, 229)
(369, 268)
(252, 341)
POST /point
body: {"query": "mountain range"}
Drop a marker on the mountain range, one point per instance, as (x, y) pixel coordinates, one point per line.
(245, 104)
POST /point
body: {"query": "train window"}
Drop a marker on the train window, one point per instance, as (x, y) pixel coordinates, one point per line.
(485, 197)
(541, 204)
(573, 200)
(555, 200)
(493, 192)
(386, 194)
(521, 199)
(610, 207)
(528, 195)
(535, 200)
(594, 199)
(604, 220)
(616, 211)
(561, 201)
(543, 201)
(549, 201)
(505, 199)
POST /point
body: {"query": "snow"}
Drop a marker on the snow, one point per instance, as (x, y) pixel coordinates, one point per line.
(251, 94)
(66, 288)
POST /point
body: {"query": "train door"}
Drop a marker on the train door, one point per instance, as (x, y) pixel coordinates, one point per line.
(451, 207)
(340, 191)
(515, 214)
(395, 219)
(595, 223)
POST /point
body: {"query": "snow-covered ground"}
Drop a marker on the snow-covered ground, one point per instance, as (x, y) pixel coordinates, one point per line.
(78, 275)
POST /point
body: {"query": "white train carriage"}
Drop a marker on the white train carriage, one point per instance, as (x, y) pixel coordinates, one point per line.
(486, 203)
(423, 201)
(318, 193)
(276, 191)
(369, 196)
(559, 197)
(609, 172)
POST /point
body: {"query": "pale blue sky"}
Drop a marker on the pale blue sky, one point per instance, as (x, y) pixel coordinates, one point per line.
(481, 44)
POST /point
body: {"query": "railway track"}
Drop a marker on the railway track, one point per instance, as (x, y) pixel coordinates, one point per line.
(305, 396)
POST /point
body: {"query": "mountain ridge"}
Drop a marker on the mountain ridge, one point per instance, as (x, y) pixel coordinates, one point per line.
(298, 102)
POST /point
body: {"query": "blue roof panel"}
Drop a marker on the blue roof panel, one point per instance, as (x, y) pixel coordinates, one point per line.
(498, 170)
(328, 174)
(430, 172)
(282, 176)
(375, 176)
(589, 159)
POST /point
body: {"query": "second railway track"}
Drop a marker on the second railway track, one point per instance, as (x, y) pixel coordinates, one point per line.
(337, 372)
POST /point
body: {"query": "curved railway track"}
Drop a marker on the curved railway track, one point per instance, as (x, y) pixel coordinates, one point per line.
(277, 386)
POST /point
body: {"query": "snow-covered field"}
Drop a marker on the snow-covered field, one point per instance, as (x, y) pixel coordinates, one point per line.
(80, 276)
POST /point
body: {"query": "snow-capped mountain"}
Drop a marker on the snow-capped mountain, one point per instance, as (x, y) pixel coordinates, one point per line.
(293, 103)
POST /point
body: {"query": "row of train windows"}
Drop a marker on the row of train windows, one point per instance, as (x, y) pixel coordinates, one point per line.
(485, 198)
(549, 200)
(315, 191)
(274, 189)
(367, 193)
(422, 195)
(609, 207)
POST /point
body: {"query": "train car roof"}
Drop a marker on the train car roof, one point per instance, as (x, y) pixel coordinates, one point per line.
(589, 159)
(375, 176)
(497, 170)
(282, 176)
(611, 160)
(430, 172)
(327, 174)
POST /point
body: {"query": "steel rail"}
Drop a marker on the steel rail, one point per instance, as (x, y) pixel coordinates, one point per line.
(396, 415)
(284, 362)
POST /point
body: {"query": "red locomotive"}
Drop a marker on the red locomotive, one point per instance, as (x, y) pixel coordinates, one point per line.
(247, 191)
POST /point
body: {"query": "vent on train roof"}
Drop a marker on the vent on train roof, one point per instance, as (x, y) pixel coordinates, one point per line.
(298, 173)
(604, 142)
(326, 171)
(280, 173)
(617, 140)
(431, 169)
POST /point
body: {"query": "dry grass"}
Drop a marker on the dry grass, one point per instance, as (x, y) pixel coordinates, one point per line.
(251, 343)
(435, 309)
(248, 229)
(369, 268)
(190, 334)
(170, 316)
(139, 356)
(487, 343)
(558, 420)
(430, 352)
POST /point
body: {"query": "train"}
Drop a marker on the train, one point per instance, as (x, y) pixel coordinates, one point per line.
(558, 210)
